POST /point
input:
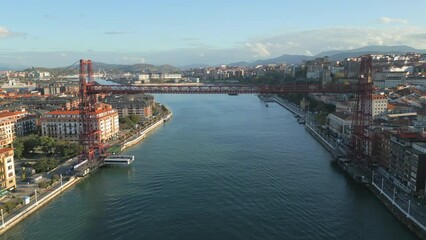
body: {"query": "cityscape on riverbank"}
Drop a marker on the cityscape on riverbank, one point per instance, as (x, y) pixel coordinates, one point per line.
(212, 120)
(41, 119)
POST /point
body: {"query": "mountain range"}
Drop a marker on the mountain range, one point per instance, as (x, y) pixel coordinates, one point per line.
(333, 55)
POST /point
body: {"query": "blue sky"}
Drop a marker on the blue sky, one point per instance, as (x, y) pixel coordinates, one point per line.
(57, 33)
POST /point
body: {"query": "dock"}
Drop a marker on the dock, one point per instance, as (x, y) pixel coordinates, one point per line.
(119, 160)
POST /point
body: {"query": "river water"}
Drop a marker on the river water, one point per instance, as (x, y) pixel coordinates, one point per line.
(225, 167)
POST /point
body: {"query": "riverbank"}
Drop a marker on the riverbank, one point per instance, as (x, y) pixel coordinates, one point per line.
(38, 202)
(139, 136)
(357, 175)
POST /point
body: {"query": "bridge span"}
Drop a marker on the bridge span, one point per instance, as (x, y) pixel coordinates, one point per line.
(220, 89)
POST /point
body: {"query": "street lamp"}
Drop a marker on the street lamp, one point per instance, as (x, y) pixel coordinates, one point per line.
(381, 191)
(2, 218)
(393, 199)
(35, 191)
(409, 205)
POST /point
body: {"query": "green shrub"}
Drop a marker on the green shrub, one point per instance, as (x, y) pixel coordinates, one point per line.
(55, 178)
(10, 205)
(43, 184)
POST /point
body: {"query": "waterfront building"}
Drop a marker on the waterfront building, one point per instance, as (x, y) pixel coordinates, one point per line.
(340, 123)
(7, 169)
(407, 160)
(381, 147)
(65, 125)
(416, 160)
(126, 105)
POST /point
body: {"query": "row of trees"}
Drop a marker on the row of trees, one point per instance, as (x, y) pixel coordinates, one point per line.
(129, 122)
(31, 144)
(322, 109)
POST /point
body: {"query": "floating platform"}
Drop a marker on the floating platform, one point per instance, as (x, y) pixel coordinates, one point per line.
(119, 160)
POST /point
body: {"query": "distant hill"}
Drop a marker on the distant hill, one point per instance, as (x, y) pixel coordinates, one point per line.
(4, 66)
(195, 65)
(111, 68)
(334, 55)
(140, 67)
(286, 58)
(341, 54)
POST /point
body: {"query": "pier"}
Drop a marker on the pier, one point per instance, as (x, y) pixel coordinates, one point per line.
(119, 160)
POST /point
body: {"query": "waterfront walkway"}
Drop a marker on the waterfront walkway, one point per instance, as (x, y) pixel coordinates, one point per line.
(37, 200)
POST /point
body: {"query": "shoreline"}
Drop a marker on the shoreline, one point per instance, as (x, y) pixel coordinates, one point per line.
(404, 218)
(142, 134)
(33, 207)
(27, 210)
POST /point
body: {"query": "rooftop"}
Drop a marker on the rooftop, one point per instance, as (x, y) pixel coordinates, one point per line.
(4, 150)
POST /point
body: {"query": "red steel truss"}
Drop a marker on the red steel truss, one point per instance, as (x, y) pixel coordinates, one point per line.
(361, 116)
(89, 136)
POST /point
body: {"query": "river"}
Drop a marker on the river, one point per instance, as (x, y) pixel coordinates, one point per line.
(225, 167)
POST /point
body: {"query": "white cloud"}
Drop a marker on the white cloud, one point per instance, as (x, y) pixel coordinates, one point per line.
(308, 53)
(387, 20)
(260, 49)
(308, 42)
(339, 38)
(4, 32)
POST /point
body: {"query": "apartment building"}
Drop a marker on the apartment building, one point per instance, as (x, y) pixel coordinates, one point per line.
(379, 104)
(408, 160)
(66, 125)
(126, 105)
(7, 169)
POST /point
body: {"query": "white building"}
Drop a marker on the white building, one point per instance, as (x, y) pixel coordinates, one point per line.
(142, 77)
(340, 123)
(65, 125)
(379, 105)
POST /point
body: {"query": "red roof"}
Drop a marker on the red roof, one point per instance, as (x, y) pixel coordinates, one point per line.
(9, 114)
(74, 112)
(3, 150)
(64, 112)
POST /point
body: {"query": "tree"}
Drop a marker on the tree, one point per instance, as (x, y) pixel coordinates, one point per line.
(23, 175)
(31, 142)
(18, 144)
(45, 164)
(47, 144)
(135, 118)
(67, 149)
